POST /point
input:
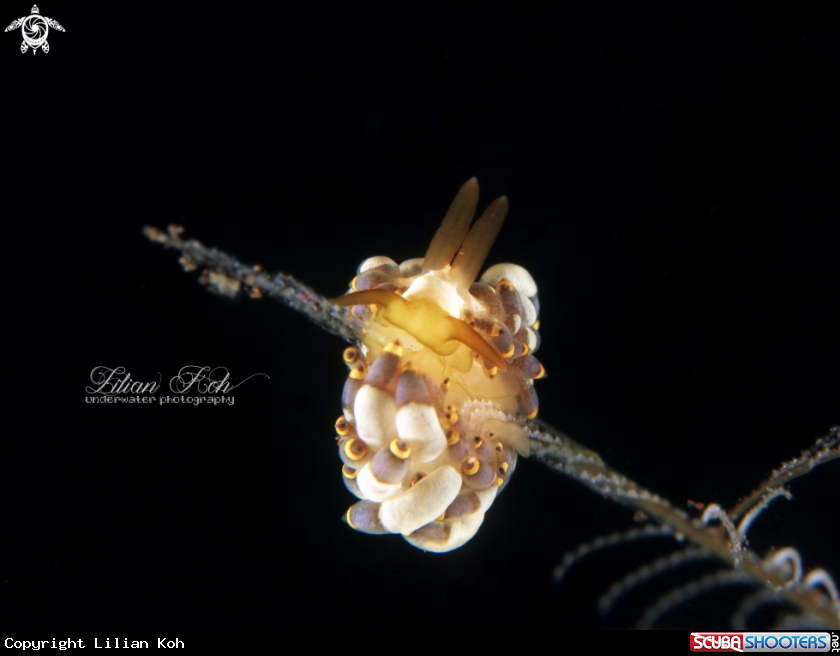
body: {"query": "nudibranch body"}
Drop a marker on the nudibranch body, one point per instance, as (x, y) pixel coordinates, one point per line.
(429, 433)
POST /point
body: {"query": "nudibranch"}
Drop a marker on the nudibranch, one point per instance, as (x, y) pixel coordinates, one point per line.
(432, 407)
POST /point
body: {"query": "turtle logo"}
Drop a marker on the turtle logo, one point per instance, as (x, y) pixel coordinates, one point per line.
(35, 29)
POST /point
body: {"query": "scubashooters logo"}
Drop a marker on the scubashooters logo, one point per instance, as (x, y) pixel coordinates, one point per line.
(747, 641)
(34, 29)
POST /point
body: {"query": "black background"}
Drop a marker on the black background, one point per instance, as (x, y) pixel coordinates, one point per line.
(672, 173)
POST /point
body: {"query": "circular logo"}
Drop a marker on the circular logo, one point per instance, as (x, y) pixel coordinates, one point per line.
(35, 29)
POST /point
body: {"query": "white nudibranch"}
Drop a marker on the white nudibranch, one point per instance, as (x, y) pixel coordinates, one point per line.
(429, 433)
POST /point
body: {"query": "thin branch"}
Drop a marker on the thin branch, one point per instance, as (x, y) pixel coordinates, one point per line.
(826, 448)
(692, 589)
(628, 536)
(649, 571)
(560, 452)
(227, 276)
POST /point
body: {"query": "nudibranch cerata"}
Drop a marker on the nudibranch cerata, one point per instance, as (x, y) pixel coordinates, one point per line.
(430, 432)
